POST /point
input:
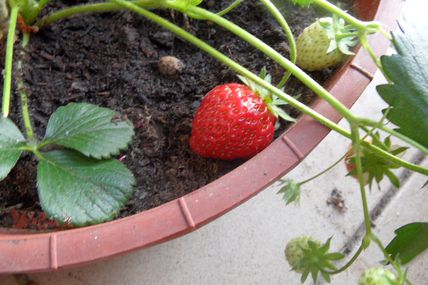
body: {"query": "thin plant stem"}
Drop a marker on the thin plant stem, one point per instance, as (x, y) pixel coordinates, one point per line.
(388, 257)
(368, 48)
(86, 8)
(356, 144)
(69, 12)
(396, 134)
(360, 25)
(292, 42)
(7, 85)
(324, 171)
(386, 34)
(23, 95)
(245, 72)
(361, 248)
(378, 242)
(232, 6)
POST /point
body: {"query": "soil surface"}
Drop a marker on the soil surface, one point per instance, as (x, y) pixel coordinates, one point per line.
(111, 60)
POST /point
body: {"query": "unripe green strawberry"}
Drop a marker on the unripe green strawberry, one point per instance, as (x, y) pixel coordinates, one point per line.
(318, 48)
(294, 251)
(377, 276)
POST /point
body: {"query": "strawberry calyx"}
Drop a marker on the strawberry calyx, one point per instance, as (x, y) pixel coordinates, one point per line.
(342, 37)
(272, 101)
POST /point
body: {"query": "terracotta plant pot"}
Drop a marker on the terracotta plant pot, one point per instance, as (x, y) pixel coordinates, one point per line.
(22, 251)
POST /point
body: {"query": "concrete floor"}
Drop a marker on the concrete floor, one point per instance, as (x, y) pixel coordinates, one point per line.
(246, 245)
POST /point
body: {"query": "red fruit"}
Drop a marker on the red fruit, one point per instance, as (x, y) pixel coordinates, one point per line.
(232, 122)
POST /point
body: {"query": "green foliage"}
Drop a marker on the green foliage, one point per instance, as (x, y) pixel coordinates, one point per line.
(291, 191)
(80, 190)
(94, 131)
(10, 141)
(375, 168)
(408, 71)
(410, 241)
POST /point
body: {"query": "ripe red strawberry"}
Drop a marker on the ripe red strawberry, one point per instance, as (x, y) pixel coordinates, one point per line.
(319, 45)
(232, 122)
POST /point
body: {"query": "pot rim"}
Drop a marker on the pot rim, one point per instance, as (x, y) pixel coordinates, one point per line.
(22, 251)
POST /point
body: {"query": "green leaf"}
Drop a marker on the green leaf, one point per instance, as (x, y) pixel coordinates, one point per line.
(408, 71)
(290, 191)
(10, 141)
(80, 190)
(410, 241)
(94, 131)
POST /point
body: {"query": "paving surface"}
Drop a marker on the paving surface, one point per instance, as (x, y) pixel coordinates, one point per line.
(246, 245)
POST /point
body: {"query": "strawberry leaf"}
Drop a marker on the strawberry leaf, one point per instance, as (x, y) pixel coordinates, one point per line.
(10, 141)
(94, 131)
(80, 190)
(410, 241)
(408, 71)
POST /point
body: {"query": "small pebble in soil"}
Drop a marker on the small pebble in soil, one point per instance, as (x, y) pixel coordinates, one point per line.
(170, 65)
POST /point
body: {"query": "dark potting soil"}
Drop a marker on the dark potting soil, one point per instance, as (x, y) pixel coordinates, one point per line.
(111, 60)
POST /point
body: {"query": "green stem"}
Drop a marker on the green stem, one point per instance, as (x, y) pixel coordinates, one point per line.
(360, 25)
(356, 144)
(340, 36)
(402, 277)
(351, 261)
(324, 171)
(230, 8)
(277, 57)
(386, 34)
(284, 25)
(378, 242)
(23, 95)
(68, 12)
(396, 134)
(7, 85)
(365, 44)
(245, 72)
